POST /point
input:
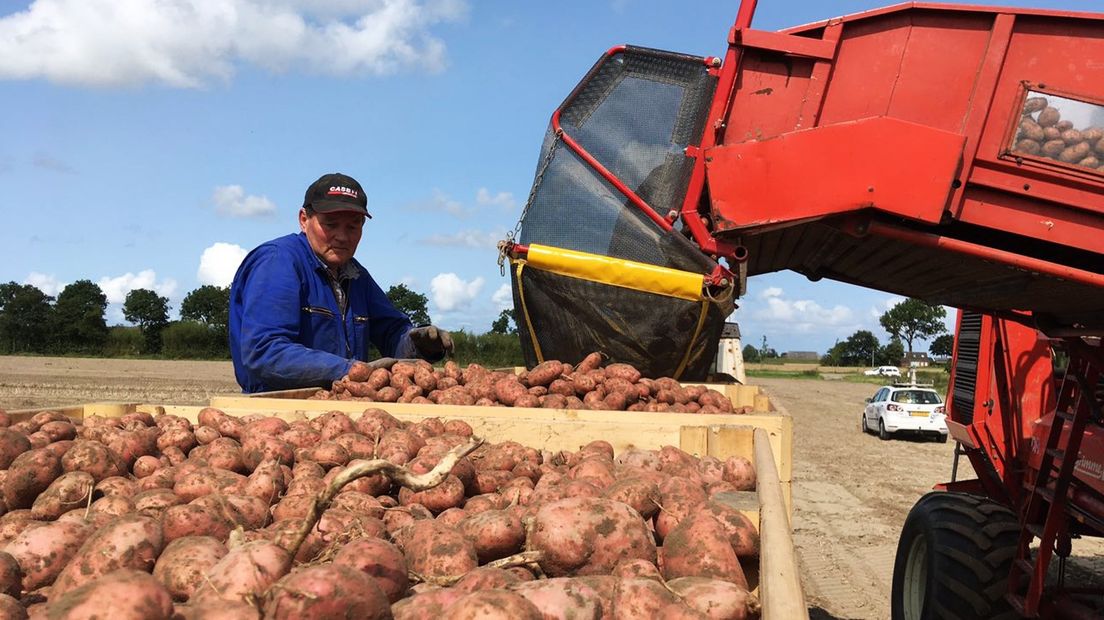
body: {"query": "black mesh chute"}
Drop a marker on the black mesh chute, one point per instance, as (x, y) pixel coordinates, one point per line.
(635, 113)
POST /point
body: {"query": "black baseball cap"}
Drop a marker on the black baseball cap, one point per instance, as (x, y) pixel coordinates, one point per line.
(336, 192)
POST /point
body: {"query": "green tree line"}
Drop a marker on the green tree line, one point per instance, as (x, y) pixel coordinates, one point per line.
(74, 323)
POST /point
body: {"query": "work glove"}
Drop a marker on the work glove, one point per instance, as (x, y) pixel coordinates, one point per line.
(432, 342)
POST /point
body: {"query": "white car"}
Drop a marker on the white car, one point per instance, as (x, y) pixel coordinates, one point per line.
(883, 371)
(907, 409)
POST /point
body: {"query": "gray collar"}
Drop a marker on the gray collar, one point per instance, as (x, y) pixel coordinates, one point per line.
(349, 271)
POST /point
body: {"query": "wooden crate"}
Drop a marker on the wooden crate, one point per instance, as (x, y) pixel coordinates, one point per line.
(765, 439)
(695, 433)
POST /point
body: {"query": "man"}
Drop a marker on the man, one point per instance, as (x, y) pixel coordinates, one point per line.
(303, 311)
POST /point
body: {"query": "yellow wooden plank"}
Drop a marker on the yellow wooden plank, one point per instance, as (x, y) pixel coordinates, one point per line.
(779, 577)
(694, 439)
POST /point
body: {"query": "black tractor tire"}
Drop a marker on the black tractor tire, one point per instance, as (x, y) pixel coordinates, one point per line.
(953, 559)
(883, 434)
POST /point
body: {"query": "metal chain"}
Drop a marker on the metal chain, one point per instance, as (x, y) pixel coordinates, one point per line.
(512, 236)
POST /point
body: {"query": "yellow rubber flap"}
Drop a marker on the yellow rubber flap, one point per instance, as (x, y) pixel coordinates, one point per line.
(617, 272)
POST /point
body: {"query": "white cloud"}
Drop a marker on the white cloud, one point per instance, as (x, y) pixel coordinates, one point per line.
(801, 315)
(232, 200)
(441, 202)
(450, 292)
(769, 292)
(468, 239)
(219, 262)
(189, 43)
(503, 298)
(877, 310)
(116, 288)
(46, 283)
(501, 199)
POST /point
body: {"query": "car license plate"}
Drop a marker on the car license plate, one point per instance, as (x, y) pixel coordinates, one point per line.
(918, 414)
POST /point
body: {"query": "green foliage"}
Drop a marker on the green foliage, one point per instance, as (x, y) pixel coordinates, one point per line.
(150, 312)
(942, 346)
(25, 318)
(891, 354)
(194, 340)
(415, 305)
(78, 319)
(123, 342)
(505, 323)
(490, 349)
(209, 305)
(751, 354)
(914, 319)
(766, 352)
(860, 349)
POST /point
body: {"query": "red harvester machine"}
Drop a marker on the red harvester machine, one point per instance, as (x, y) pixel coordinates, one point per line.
(945, 152)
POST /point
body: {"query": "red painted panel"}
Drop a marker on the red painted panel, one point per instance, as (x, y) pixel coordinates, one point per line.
(939, 68)
(797, 176)
(866, 69)
(769, 92)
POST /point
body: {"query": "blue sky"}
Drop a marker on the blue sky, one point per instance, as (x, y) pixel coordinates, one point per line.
(150, 144)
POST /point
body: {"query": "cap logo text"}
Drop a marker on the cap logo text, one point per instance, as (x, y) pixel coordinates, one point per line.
(342, 191)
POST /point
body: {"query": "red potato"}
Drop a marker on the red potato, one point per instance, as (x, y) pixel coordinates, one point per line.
(379, 559)
(95, 458)
(495, 534)
(29, 474)
(258, 448)
(245, 572)
(42, 552)
(588, 536)
(717, 599)
(11, 575)
(493, 605)
(11, 608)
(326, 591)
(131, 542)
(69, 491)
(545, 373)
(121, 595)
(699, 547)
(638, 492)
(185, 562)
(212, 609)
(563, 598)
(740, 473)
(637, 569)
(326, 453)
(741, 533)
(154, 502)
(448, 494)
(677, 498)
(145, 466)
(487, 578)
(104, 510)
(427, 605)
(436, 551)
(116, 485)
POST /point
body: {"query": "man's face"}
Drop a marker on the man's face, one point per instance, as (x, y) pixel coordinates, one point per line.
(333, 236)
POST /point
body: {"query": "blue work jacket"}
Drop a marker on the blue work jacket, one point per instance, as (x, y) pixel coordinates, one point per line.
(285, 327)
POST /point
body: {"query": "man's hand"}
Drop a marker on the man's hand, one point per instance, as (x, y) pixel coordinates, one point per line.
(431, 342)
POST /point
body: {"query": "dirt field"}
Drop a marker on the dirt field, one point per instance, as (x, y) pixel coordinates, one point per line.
(851, 491)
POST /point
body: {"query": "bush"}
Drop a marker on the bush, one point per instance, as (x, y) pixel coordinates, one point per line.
(193, 340)
(123, 342)
(490, 349)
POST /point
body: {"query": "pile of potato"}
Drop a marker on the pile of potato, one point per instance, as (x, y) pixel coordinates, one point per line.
(363, 516)
(1043, 133)
(550, 385)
